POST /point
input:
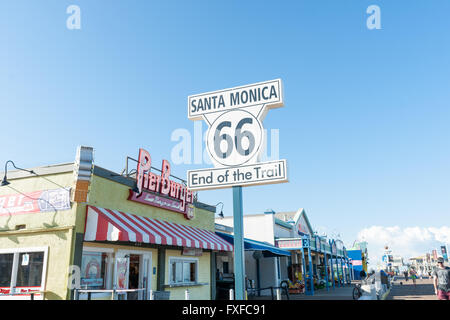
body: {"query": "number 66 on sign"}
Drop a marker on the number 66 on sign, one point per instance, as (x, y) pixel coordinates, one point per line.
(235, 136)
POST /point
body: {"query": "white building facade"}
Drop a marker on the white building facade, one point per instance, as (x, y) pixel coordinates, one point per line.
(324, 260)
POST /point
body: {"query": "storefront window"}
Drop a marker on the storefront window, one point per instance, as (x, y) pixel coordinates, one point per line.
(177, 268)
(187, 272)
(6, 263)
(22, 267)
(183, 271)
(94, 270)
(225, 267)
(29, 271)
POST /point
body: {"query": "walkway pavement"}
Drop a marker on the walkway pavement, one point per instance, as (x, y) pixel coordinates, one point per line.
(338, 293)
(405, 290)
(401, 290)
(342, 293)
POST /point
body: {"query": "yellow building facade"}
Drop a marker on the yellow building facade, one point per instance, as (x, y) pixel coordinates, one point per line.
(106, 247)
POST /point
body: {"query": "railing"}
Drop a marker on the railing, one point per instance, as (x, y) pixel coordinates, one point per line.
(23, 294)
(119, 292)
(275, 292)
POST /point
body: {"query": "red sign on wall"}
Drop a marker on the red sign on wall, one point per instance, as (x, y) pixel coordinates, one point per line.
(21, 292)
(289, 243)
(35, 202)
(158, 190)
(357, 262)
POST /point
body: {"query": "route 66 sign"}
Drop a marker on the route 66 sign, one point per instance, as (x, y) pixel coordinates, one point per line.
(226, 151)
(235, 135)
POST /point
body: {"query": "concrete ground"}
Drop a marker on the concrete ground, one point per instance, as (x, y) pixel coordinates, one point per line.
(405, 290)
(400, 290)
(342, 293)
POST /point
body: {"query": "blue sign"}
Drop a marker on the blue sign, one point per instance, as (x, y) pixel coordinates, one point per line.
(444, 253)
(305, 243)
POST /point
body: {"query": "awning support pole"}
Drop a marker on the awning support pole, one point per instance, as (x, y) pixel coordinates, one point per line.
(311, 272)
(337, 272)
(326, 271)
(258, 277)
(304, 269)
(331, 265)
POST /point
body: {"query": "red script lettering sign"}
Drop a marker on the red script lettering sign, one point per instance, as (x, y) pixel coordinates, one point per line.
(159, 190)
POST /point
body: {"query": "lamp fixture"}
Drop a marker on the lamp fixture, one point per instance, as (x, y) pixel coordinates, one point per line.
(5, 181)
(221, 210)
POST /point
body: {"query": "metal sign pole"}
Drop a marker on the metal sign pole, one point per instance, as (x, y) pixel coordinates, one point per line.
(239, 261)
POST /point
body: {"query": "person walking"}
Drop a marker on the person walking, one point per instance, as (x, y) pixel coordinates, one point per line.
(441, 280)
(413, 275)
(405, 273)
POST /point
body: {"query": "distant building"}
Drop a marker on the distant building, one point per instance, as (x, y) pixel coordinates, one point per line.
(309, 256)
(358, 254)
(397, 263)
(425, 263)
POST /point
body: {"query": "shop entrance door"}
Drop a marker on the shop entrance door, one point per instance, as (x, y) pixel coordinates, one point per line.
(133, 276)
(133, 271)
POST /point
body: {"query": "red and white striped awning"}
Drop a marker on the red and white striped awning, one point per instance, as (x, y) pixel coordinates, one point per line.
(112, 225)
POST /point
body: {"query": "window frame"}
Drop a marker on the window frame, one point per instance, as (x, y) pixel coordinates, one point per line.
(183, 260)
(109, 284)
(15, 266)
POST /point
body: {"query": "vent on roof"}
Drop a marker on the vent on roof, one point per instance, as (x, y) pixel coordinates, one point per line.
(83, 168)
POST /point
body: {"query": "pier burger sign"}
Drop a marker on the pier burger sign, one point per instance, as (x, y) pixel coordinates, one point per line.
(235, 136)
(158, 190)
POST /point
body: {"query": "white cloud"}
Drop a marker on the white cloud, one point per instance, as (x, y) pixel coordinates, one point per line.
(406, 242)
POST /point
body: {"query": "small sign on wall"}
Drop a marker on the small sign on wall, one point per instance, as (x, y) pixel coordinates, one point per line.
(25, 259)
(192, 252)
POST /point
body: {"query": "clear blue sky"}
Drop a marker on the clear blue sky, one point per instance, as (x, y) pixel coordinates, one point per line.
(365, 124)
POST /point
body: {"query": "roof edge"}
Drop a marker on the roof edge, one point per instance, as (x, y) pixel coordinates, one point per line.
(41, 170)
